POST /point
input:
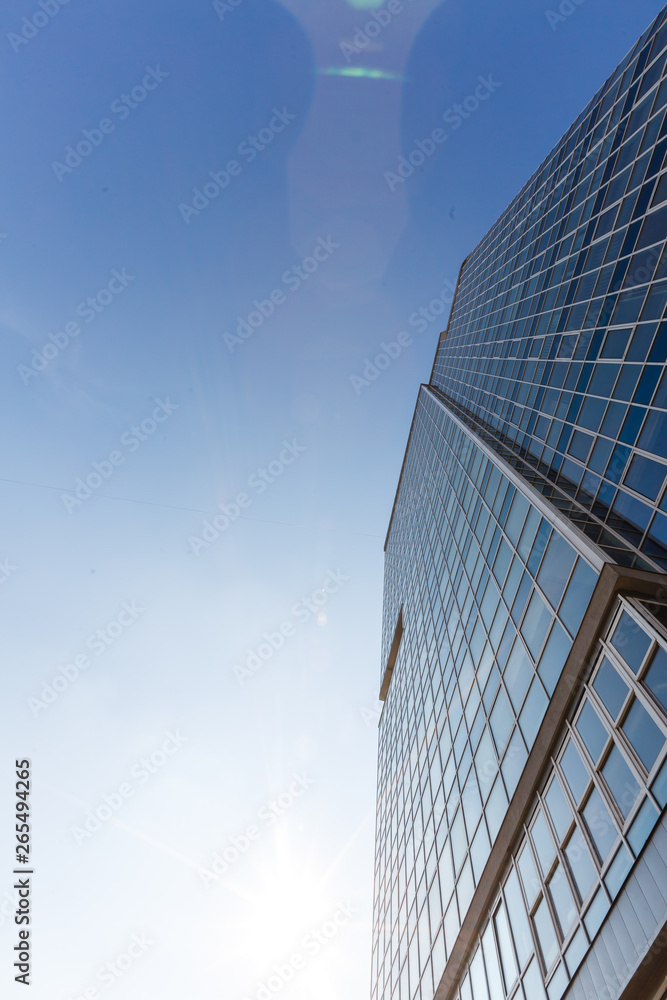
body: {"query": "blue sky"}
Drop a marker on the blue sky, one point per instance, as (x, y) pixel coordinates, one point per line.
(310, 247)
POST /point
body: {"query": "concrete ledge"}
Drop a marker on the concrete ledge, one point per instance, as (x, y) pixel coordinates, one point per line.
(393, 653)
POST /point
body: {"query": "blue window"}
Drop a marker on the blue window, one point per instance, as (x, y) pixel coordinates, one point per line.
(645, 476)
(656, 677)
(630, 641)
(611, 687)
(577, 596)
(591, 730)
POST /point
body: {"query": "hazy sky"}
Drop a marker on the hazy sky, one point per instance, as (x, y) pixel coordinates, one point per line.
(206, 232)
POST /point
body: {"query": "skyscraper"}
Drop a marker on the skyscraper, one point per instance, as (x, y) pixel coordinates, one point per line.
(521, 825)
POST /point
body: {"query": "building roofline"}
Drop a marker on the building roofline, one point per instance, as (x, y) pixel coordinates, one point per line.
(423, 385)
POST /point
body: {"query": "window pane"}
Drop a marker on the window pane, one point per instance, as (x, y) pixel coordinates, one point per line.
(459, 840)
(596, 912)
(558, 983)
(492, 966)
(645, 476)
(600, 824)
(611, 687)
(621, 781)
(505, 947)
(563, 901)
(554, 656)
(642, 825)
(502, 721)
(518, 675)
(630, 641)
(536, 623)
(518, 919)
(533, 712)
(656, 677)
(546, 934)
(544, 844)
(529, 876)
(576, 951)
(479, 988)
(577, 596)
(532, 983)
(644, 735)
(556, 568)
(580, 862)
(516, 517)
(618, 870)
(575, 772)
(592, 732)
(559, 810)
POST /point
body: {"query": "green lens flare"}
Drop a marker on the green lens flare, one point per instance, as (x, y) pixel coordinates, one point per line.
(369, 74)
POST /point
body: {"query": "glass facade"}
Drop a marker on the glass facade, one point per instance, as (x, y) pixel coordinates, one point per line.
(536, 459)
(602, 796)
(556, 342)
(491, 595)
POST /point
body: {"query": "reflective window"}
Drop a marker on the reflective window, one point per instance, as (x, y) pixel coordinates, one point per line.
(618, 870)
(559, 810)
(544, 845)
(592, 731)
(646, 476)
(581, 864)
(575, 771)
(630, 641)
(536, 624)
(510, 970)
(611, 687)
(655, 678)
(621, 781)
(518, 675)
(562, 898)
(642, 826)
(554, 656)
(577, 596)
(600, 824)
(556, 568)
(531, 883)
(644, 735)
(516, 910)
(502, 721)
(546, 934)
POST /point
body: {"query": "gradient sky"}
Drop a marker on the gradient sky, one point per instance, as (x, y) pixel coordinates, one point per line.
(323, 181)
